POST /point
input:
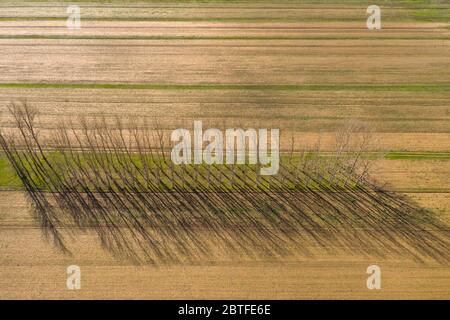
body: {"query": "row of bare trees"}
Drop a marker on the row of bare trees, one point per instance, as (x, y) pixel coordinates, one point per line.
(120, 182)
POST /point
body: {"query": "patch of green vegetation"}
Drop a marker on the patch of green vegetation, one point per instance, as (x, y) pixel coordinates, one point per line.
(8, 177)
(431, 14)
(417, 156)
(422, 190)
(215, 86)
(404, 17)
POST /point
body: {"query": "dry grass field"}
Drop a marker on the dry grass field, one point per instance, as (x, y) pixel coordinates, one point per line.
(307, 67)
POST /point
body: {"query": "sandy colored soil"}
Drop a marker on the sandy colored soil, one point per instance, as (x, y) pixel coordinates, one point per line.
(31, 268)
(232, 44)
(414, 175)
(324, 65)
(397, 118)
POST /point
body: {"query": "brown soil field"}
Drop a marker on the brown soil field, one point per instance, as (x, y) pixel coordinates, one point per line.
(200, 60)
(397, 118)
(32, 269)
(222, 65)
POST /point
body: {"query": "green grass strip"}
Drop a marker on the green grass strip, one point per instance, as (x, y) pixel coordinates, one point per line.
(8, 177)
(417, 156)
(10, 181)
(411, 3)
(405, 18)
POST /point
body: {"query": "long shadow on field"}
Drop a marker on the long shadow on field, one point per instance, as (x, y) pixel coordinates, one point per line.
(147, 210)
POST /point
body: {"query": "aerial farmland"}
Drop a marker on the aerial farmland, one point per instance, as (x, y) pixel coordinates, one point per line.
(312, 69)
